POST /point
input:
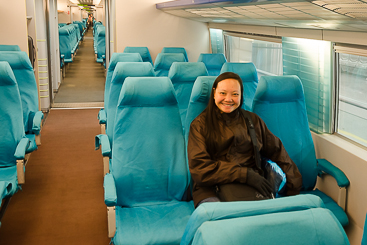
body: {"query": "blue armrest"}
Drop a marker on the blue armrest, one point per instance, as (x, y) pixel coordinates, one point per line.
(327, 167)
(37, 120)
(110, 194)
(21, 148)
(102, 140)
(102, 117)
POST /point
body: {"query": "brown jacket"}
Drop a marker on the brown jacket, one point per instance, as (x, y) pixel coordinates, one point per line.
(234, 149)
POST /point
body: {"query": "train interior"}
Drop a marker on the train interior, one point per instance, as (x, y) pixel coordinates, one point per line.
(95, 91)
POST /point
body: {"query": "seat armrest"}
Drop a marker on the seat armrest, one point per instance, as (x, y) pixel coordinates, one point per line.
(102, 140)
(37, 121)
(21, 148)
(102, 117)
(110, 194)
(324, 166)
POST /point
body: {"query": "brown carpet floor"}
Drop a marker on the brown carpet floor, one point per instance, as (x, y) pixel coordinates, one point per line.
(62, 199)
(84, 80)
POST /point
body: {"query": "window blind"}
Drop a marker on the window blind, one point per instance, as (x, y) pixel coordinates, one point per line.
(216, 39)
(311, 61)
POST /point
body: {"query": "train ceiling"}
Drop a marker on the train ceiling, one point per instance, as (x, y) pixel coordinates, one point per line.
(346, 15)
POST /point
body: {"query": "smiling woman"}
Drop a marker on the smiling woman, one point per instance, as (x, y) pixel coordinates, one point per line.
(227, 95)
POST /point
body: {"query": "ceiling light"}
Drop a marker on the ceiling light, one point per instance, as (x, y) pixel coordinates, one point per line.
(96, 2)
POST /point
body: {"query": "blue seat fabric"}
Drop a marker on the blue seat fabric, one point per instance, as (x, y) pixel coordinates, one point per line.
(175, 50)
(25, 78)
(122, 71)
(279, 101)
(207, 212)
(183, 76)
(248, 74)
(143, 51)
(9, 47)
(12, 133)
(364, 238)
(163, 63)
(213, 62)
(148, 164)
(311, 226)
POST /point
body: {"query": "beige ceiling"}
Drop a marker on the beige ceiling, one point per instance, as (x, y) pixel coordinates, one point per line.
(348, 15)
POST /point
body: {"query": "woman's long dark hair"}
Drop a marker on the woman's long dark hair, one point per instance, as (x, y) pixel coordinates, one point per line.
(213, 130)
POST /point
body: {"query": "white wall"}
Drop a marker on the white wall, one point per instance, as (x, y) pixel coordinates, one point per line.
(13, 26)
(139, 23)
(62, 5)
(76, 14)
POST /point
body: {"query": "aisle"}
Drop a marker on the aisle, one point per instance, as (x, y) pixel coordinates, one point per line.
(62, 200)
(84, 81)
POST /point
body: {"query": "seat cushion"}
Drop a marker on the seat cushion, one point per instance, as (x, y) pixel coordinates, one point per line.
(331, 205)
(156, 224)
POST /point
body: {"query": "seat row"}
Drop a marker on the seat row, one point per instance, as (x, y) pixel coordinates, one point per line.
(20, 119)
(147, 142)
(99, 42)
(146, 189)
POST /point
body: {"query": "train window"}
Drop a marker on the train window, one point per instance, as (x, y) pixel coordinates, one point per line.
(266, 55)
(352, 90)
(216, 38)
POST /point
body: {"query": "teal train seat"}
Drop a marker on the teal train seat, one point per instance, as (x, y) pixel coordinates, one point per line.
(208, 212)
(24, 75)
(122, 71)
(163, 63)
(13, 142)
(143, 51)
(68, 42)
(175, 50)
(198, 100)
(101, 45)
(9, 48)
(280, 102)
(149, 176)
(248, 74)
(213, 62)
(317, 226)
(183, 76)
(116, 57)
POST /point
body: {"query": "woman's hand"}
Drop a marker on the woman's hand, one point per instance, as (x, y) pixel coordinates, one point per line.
(259, 183)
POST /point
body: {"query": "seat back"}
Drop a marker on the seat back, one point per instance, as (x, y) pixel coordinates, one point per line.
(213, 62)
(9, 48)
(122, 71)
(101, 42)
(198, 101)
(143, 51)
(115, 58)
(65, 42)
(183, 76)
(11, 116)
(248, 74)
(175, 50)
(311, 226)
(163, 63)
(24, 74)
(280, 102)
(148, 152)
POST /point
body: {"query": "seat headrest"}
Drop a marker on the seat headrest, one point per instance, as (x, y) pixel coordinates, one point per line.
(16, 59)
(9, 48)
(213, 61)
(202, 89)
(279, 89)
(165, 60)
(132, 69)
(147, 92)
(186, 72)
(123, 57)
(143, 51)
(102, 33)
(175, 50)
(6, 74)
(247, 71)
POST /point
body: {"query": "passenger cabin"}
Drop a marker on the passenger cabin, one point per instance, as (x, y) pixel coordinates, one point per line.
(83, 51)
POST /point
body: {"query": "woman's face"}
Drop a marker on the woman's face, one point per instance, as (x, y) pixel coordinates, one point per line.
(227, 95)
